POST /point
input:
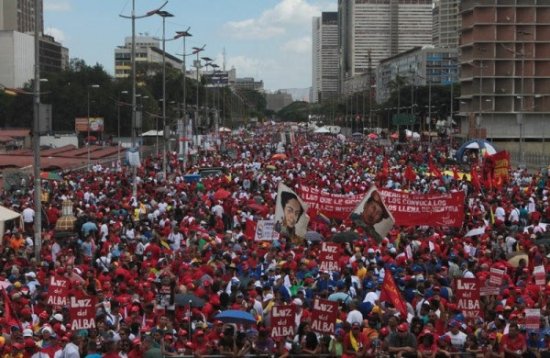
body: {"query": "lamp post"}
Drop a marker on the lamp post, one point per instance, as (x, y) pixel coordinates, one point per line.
(133, 17)
(88, 139)
(164, 15)
(197, 51)
(36, 138)
(183, 145)
(118, 128)
(207, 63)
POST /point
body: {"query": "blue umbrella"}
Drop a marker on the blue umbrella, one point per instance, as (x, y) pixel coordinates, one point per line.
(191, 178)
(236, 316)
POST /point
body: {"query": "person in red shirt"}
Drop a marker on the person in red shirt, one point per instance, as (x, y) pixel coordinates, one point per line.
(513, 344)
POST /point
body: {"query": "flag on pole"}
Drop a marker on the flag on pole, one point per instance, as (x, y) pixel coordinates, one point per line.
(391, 293)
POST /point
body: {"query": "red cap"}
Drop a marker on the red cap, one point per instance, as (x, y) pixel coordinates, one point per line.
(402, 327)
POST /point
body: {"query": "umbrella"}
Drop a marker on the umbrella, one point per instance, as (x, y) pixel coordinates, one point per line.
(221, 194)
(235, 316)
(346, 236)
(372, 136)
(191, 178)
(271, 167)
(357, 134)
(279, 156)
(50, 176)
(224, 130)
(183, 299)
(313, 236)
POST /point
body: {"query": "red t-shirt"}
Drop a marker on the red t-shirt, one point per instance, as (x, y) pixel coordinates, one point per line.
(514, 344)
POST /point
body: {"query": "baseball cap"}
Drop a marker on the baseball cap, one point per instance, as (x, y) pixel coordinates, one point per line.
(27, 332)
(402, 327)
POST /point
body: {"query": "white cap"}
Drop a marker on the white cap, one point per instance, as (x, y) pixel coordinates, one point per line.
(370, 250)
(297, 302)
(30, 274)
(58, 317)
(47, 329)
(27, 332)
(268, 297)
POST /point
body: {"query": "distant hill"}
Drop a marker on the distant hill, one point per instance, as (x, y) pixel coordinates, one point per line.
(298, 94)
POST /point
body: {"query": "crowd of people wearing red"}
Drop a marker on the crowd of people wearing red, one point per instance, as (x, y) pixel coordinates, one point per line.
(191, 236)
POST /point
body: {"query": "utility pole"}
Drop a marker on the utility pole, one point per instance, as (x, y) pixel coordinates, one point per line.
(36, 138)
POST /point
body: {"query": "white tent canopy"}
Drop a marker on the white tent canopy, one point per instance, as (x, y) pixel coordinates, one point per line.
(7, 215)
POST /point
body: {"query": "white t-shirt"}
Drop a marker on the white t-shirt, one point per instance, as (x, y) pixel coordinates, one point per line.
(500, 214)
(457, 340)
(28, 215)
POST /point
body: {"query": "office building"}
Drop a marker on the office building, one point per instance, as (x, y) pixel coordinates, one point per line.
(53, 56)
(505, 69)
(382, 28)
(419, 66)
(324, 57)
(248, 83)
(147, 51)
(446, 23)
(16, 58)
(19, 15)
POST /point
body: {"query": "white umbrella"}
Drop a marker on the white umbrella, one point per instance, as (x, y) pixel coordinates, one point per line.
(484, 146)
(322, 130)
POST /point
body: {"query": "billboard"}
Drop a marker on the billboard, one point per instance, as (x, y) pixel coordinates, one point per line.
(96, 124)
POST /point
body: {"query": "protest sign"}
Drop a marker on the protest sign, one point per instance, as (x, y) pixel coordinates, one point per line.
(467, 294)
(323, 316)
(501, 165)
(407, 209)
(290, 213)
(540, 275)
(328, 257)
(282, 321)
(532, 318)
(410, 209)
(265, 231)
(373, 216)
(58, 291)
(82, 312)
(496, 276)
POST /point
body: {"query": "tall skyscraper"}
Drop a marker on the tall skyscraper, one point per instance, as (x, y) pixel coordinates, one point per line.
(505, 68)
(324, 57)
(19, 15)
(385, 28)
(446, 23)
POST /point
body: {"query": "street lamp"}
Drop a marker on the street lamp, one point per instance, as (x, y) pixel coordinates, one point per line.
(196, 51)
(207, 63)
(133, 17)
(183, 145)
(164, 15)
(118, 127)
(88, 139)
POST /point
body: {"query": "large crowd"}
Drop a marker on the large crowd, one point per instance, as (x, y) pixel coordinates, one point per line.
(177, 237)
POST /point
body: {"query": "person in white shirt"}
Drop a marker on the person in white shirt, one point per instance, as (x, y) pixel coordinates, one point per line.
(71, 349)
(175, 238)
(28, 218)
(458, 338)
(500, 213)
(354, 316)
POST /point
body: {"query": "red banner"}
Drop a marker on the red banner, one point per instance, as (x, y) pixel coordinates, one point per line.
(58, 291)
(502, 165)
(467, 295)
(336, 206)
(283, 321)
(323, 316)
(496, 276)
(407, 209)
(82, 312)
(328, 257)
(425, 209)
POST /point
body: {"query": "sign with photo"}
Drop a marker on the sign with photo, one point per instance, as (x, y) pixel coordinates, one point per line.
(290, 213)
(373, 216)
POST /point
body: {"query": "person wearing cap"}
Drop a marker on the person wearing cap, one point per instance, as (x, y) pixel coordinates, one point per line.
(458, 338)
(402, 342)
(336, 346)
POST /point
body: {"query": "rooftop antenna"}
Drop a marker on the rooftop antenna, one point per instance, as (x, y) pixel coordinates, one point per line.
(223, 59)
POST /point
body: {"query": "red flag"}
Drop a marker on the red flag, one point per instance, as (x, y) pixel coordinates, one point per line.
(434, 169)
(410, 174)
(9, 317)
(455, 174)
(390, 292)
(385, 167)
(250, 229)
(475, 178)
